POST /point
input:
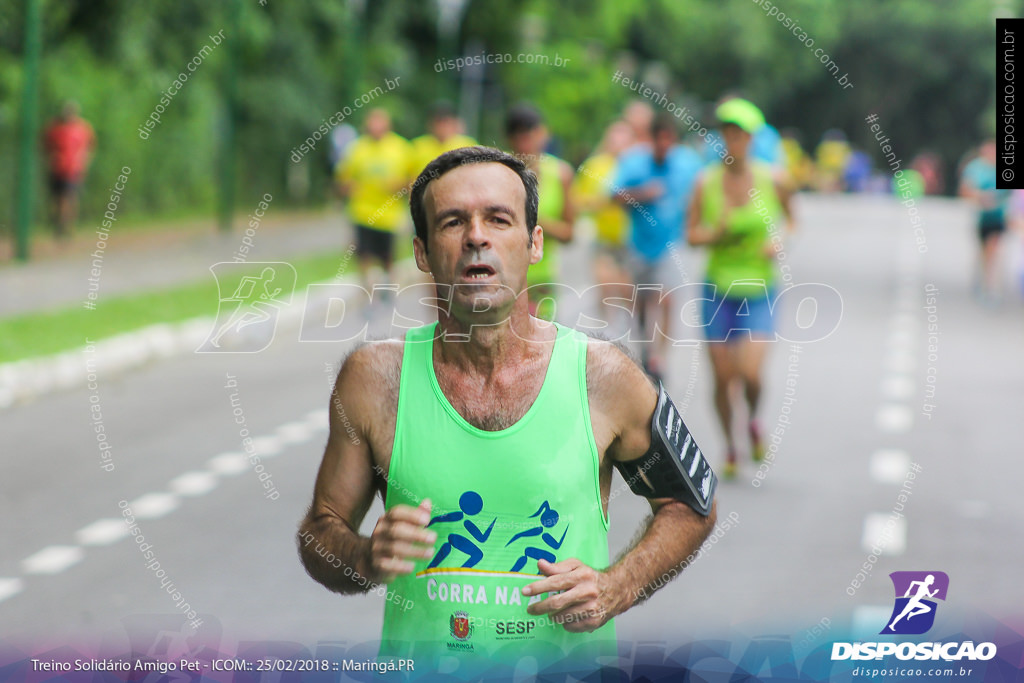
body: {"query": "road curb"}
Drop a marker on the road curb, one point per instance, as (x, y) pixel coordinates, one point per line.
(25, 380)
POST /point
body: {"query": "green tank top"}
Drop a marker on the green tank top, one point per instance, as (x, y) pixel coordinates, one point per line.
(739, 266)
(501, 501)
(551, 202)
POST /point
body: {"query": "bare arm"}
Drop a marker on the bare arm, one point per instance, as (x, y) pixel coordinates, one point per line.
(785, 194)
(675, 531)
(644, 194)
(331, 549)
(697, 232)
(561, 228)
(624, 398)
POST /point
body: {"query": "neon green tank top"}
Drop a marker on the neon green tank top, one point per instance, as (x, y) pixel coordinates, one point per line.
(743, 257)
(501, 501)
(551, 201)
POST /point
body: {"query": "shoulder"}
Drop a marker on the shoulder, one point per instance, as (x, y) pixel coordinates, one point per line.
(634, 157)
(614, 379)
(399, 143)
(634, 163)
(973, 169)
(622, 399)
(602, 161)
(711, 174)
(764, 173)
(565, 171)
(553, 162)
(683, 153)
(376, 364)
(357, 150)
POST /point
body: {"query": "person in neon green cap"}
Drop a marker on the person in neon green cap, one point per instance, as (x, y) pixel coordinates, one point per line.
(491, 436)
(733, 214)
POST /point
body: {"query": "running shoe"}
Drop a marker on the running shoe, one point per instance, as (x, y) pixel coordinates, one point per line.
(730, 468)
(756, 444)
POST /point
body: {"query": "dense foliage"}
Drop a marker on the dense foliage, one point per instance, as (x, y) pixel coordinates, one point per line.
(926, 68)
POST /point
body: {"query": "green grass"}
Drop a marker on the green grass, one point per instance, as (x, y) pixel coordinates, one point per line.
(43, 333)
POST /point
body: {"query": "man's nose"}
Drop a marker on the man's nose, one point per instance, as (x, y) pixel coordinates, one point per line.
(476, 234)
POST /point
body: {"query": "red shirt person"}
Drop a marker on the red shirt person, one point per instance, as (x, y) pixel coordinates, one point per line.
(69, 143)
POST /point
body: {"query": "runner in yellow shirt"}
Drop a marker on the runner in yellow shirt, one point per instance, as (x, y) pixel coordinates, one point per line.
(528, 138)
(374, 177)
(592, 192)
(444, 136)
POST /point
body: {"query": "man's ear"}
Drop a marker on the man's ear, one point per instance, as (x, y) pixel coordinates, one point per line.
(419, 250)
(537, 248)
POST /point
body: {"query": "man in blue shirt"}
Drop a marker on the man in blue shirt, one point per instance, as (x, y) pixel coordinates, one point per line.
(978, 184)
(654, 184)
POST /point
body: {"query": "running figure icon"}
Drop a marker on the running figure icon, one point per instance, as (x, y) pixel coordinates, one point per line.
(915, 606)
(470, 504)
(548, 519)
(251, 304)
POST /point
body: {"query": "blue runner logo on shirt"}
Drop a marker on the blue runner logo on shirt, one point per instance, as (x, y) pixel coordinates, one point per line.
(470, 505)
(539, 539)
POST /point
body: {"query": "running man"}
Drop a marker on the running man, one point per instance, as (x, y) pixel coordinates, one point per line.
(251, 306)
(654, 184)
(915, 606)
(528, 415)
(593, 193)
(528, 138)
(978, 184)
(445, 135)
(373, 176)
(69, 143)
(732, 213)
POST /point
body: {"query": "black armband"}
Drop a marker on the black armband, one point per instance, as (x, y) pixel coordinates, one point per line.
(673, 467)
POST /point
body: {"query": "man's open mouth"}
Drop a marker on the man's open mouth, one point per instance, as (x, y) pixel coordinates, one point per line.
(477, 271)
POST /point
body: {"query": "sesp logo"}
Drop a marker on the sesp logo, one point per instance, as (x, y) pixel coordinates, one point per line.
(914, 610)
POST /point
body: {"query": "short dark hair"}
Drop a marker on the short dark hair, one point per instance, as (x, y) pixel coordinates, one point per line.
(663, 122)
(522, 118)
(442, 109)
(471, 155)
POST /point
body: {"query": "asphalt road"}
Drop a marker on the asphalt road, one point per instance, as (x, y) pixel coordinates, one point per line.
(854, 425)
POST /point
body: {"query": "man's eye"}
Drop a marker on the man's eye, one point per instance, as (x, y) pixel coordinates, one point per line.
(450, 223)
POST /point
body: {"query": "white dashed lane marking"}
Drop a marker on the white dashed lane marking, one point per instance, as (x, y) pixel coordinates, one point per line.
(317, 418)
(194, 483)
(56, 558)
(10, 587)
(228, 464)
(295, 432)
(896, 387)
(102, 532)
(52, 559)
(154, 505)
(901, 338)
(894, 418)
(900, 361)
(889, 465)
(266, 446)
(885, 533)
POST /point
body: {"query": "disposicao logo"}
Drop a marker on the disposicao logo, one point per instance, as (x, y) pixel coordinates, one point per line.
(913, 613)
